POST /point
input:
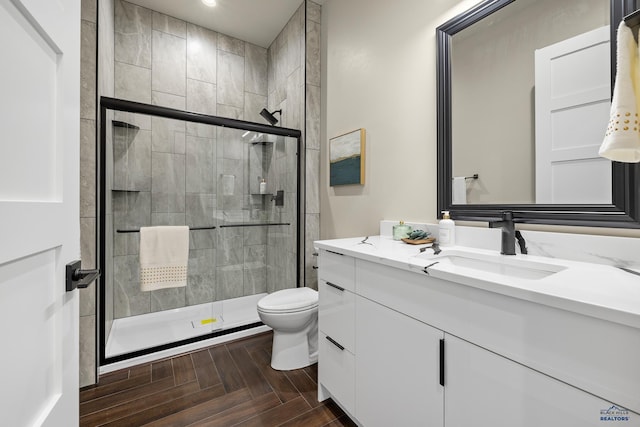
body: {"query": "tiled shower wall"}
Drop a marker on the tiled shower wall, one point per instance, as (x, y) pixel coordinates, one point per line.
(294, 87)
(175, 168)
(88, 319)
(205, 71)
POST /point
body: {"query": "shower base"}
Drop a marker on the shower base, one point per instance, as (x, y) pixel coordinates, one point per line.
(154, 329)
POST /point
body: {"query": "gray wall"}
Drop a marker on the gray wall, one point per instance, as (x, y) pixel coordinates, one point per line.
(87, 187)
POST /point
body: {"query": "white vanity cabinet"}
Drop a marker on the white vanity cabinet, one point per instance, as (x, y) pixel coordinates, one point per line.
(485, 389)
(397, 368)
(336, 324)
(503, 362)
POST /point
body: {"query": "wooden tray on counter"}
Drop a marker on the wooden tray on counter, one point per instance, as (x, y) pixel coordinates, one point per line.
(419, 242)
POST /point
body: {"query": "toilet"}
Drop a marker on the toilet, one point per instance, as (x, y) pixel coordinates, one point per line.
(293, 316)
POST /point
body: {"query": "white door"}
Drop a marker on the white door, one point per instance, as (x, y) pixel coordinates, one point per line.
(573, 97)
(39, 213)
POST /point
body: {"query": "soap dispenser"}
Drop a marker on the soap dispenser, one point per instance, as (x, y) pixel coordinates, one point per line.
(446, 230)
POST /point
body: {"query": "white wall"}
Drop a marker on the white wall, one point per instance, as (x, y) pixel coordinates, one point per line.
(379, 73)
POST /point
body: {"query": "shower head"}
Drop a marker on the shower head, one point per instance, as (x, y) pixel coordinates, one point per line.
(269, 116)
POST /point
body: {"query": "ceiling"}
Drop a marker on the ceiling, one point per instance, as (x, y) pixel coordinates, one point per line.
(255, 21)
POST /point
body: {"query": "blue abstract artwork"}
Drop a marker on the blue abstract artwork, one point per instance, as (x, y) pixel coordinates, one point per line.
(346, 158)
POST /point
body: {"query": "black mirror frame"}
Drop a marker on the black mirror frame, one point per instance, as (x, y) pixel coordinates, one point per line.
(624, 212)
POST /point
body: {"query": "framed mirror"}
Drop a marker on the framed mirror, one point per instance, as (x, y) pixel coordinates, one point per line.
(523, 103)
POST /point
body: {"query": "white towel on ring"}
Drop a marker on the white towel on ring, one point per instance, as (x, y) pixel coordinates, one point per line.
(459, 190)
(164, 255)
(622, 139)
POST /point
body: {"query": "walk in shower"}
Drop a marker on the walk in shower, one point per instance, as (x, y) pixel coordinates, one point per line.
(234, 183)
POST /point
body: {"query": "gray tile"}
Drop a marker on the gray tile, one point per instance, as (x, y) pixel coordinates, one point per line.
(312, 232)
(200, 166)
(201, 130)
(312, 185)
(313, 53)
(230, 145)
(253, 104)
(230, 81)
(255, 280)
(200, 209)
(87, 255)
(230, 249)
(202, 45)
(169, 100)
(163, 218)
(255, 80)
(291, 116)
(313, 118)
(168, 299)
(131, 159)
(203, 239)
(132, 37)
(141, 120)
(201, 97)
(168, 135)
(88, 46)
(294, 33)
(88, 10)
(129, 300)
(131, 210)
(106, 48)
(168, 183)
(314, 11)
(230, 179)
(230, 112)
(229, 281)
(169, 24)
(201, 283)
(255, 236)
(87, 350)
(169, 63)
(230, 44)
(132, 83)
(88, 169)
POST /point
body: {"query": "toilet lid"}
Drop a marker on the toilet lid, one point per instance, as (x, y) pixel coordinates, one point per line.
(289, 300)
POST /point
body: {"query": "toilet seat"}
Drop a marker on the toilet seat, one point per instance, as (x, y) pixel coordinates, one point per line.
(289, 301)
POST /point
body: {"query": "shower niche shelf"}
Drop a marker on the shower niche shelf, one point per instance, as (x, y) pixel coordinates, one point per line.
(124, 125)
(117, 190)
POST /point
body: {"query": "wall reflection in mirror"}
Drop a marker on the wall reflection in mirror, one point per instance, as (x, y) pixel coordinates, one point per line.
(530, 99)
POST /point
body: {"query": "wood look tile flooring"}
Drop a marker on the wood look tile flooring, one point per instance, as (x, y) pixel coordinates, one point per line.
(229, 384)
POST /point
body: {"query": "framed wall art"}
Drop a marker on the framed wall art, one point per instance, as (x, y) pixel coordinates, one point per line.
(346, 158)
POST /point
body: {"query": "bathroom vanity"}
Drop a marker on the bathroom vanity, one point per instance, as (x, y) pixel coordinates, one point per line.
(470, 337)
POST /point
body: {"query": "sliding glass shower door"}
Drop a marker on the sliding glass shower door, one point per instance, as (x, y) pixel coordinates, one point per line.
(234, 185)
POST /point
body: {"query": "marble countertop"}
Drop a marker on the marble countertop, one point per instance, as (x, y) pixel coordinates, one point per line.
(596, 290)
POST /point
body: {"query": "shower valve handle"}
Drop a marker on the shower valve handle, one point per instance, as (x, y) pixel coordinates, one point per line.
(77, 278)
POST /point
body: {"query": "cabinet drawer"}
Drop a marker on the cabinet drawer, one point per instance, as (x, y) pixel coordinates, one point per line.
(337, 269)
(336, 314)
(336, 372)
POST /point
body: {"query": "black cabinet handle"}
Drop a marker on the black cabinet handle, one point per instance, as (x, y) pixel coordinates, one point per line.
(341, 289)
(442, 363)
(337, 253)
(334, 342)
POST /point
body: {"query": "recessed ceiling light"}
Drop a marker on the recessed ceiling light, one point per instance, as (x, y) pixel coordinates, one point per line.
(210, 3)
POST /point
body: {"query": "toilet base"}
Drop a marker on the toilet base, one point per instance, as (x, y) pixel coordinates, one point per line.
(291, 350)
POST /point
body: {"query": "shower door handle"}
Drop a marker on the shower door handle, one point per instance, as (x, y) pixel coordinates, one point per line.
(77, 278)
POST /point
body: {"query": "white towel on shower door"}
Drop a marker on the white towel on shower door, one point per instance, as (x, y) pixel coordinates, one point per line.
(164, 255)
(622, 138)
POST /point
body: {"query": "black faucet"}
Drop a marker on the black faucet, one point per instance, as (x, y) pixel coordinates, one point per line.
(508, 233)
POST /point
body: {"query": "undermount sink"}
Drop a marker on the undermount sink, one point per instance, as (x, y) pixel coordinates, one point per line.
(496, 264)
